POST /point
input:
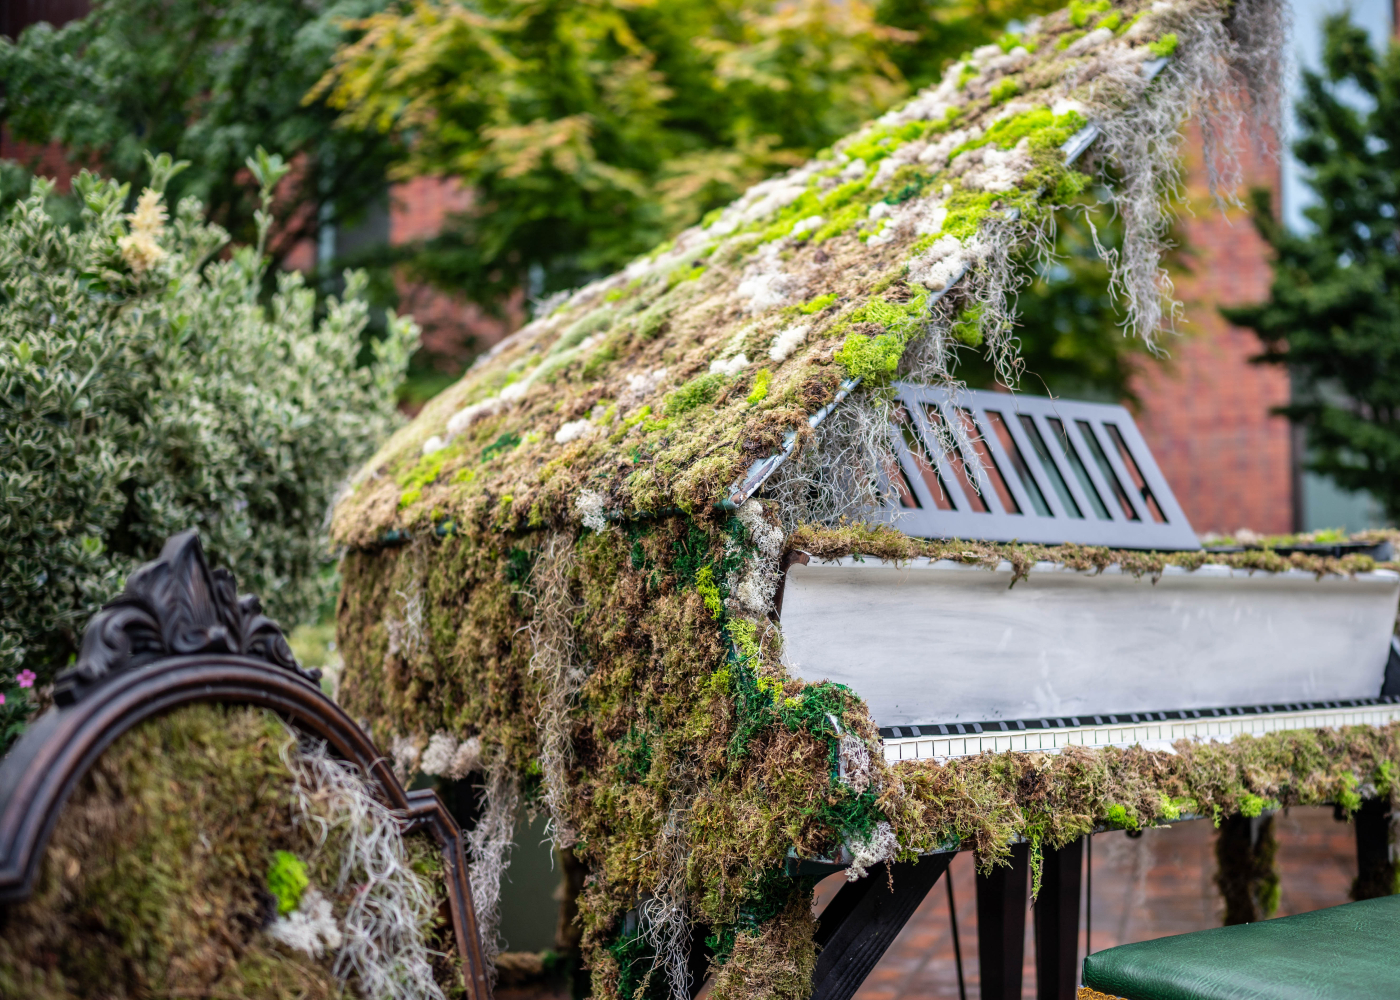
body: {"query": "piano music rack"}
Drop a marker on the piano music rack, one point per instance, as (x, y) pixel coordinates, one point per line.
(1040, 470)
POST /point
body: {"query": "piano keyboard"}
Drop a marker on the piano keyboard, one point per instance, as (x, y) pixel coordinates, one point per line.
(1151, 730)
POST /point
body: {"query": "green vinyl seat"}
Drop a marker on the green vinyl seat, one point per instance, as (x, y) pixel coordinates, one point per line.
(1349, 952)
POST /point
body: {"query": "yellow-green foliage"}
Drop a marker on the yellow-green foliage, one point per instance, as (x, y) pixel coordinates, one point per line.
(1041, 126)
(876, 358)
(419, 476)
(968, 328)
(817, 304)
(1005, 89)
(759, 392)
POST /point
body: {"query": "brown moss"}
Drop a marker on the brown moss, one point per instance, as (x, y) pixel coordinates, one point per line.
(882, 542)
(777, 961)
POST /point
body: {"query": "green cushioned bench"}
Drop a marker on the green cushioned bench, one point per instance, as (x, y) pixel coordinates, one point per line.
(1340, 953)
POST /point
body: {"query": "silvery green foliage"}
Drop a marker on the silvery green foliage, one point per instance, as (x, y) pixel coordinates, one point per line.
(145, 389)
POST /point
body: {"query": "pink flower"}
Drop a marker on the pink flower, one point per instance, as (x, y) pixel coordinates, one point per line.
(2, 699)
(25, 678)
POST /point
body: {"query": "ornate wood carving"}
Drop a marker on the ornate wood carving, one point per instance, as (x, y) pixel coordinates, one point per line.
(178, 636)
(175, 606)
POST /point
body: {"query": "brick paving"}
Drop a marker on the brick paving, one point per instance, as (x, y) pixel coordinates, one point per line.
(1156, 885)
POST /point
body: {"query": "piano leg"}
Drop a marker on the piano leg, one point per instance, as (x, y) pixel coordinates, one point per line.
(1057, 924)
(1375, 872)
(1001, 925)
(863, 919)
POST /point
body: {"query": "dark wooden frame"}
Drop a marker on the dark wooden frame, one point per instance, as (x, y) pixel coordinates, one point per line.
(179, 635)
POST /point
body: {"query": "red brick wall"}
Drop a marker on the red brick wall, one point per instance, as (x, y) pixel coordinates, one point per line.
(46, 161)
(1206, 411)
(453, 329)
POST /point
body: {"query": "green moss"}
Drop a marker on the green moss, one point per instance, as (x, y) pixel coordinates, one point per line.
(966, 210)
(1040, 125)
(706, 587)
(699, 391)
(1111, 21)
(506, 442)
(1068, 39)
(1004, 89)
(879, 141)
(876, 358)
(654, 318)
(287, 880)
(422, 474)
(967, 75)
(816, 305)
(1163, 47)
(1080, 11)
(618, 294)
(968, 327)
(598, 361)
(759, 392)
(686, 272)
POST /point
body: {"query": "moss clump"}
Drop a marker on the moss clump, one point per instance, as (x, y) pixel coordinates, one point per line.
(1041, 123)
(696, 393)
(1004, 89)
(968, 328)
(817, 305)
(154, 883)
(875, 358)
(1164, 47)
(1080, 11)
(287, 880)
(420, 476)
(176, 850)
(759, 392)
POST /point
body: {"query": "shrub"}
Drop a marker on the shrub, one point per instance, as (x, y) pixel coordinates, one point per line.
(145, 388)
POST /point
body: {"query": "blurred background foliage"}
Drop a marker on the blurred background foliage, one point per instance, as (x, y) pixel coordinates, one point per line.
(206, 81)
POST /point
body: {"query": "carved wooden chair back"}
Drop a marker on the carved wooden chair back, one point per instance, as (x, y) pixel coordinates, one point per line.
(178, 635)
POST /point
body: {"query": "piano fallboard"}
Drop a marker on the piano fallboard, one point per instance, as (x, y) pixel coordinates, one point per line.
(941, 641)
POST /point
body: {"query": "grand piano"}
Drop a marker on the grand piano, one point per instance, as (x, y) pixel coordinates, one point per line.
(956, 660)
